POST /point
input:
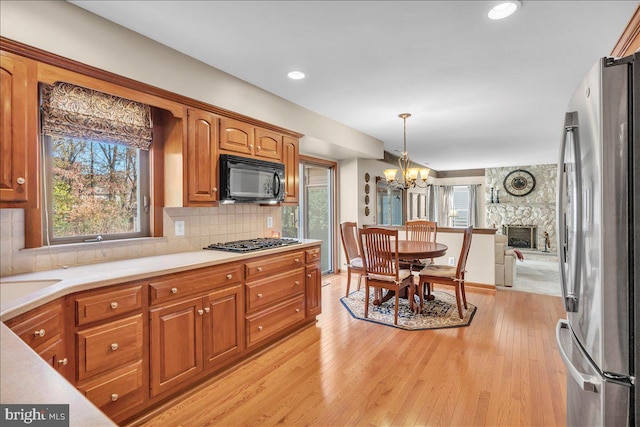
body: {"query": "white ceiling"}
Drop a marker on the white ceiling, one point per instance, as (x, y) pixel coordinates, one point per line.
(482, 93)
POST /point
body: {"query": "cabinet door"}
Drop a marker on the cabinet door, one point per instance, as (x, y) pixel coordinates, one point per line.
(202, 166)
(176, 343)
(313, 290)
(55, 355)
(18, 115)
(291, 160)
(223, 326)
(236, 136)
(268, 145)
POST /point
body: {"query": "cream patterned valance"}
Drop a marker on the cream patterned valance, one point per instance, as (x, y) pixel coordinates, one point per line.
(77, 112)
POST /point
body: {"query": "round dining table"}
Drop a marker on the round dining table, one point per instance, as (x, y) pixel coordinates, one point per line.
(411, 250)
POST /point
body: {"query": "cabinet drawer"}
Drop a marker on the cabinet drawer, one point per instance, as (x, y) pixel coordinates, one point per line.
(109, 346)
(107, 304)
(118, 391)
(273, 264)
(266, 291)
(272, 321)
(312, 255)
(41, 327)
(174, 286)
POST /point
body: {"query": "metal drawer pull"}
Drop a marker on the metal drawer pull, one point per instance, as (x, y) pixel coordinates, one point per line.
(229, 276)
(259, 295)
(296, 282)
(296, 260)
(174, 290)
(259, 328)
(63, 361)
(201, 312)
(114, 397)
(114, 346)
(259, 269)
(39, 333)
(297, 310)
(114, 305)
(207, 309)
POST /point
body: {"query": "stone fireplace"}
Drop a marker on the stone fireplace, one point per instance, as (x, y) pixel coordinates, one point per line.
(521, 236)
(530, 216)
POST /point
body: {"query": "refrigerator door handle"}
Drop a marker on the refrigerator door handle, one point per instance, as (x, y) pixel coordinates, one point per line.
(569, 296)
(585, 381)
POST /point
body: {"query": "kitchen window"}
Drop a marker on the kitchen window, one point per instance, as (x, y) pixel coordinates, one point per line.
(96, 165)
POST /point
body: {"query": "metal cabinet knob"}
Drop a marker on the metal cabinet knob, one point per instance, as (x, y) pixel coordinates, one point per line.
(259, 148)
(114, 397)
(201, 312)
(259, 328)
(214, 189)
(296, 282)
(114, 305)
(21, 180)
(174, 290)
(259, 295)
(309, 276)
(207, 309)
(229, 276)
(114, 346)
(259, 269)
(63, 362)
(39, 333)
(250, 145)
(296, 260)
(297, 310)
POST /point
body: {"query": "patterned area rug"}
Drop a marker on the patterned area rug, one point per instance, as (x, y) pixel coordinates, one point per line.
(442, 312)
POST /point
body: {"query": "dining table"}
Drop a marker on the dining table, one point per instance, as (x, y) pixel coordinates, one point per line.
(412, 250)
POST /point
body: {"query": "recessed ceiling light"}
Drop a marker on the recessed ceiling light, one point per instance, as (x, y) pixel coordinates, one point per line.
(296, 75)
(504, 9)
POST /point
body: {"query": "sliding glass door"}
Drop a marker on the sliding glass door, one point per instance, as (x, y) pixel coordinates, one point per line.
(313, 218)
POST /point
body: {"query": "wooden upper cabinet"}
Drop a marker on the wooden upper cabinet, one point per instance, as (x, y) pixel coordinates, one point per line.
(268, 145)
(291, 160)
(236, 136)
(18, 131)
(202, 156)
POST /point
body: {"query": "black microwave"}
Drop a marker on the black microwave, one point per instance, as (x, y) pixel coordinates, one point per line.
(248, 180)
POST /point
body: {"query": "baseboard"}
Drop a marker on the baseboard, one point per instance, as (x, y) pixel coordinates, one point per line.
(483, 286)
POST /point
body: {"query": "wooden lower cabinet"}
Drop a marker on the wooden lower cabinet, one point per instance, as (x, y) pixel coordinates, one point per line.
(128, 347)
(313, 293)
(118, 391)
(43, 330)
(194, 334)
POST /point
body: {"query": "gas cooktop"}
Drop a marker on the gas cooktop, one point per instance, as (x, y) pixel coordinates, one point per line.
(252, 244)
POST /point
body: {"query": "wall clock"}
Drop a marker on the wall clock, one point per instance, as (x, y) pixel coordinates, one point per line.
(519, 183)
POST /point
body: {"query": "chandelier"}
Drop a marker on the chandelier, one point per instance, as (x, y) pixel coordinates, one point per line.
(408, 175)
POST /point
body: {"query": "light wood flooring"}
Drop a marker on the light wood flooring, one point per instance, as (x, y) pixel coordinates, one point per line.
(502, 370)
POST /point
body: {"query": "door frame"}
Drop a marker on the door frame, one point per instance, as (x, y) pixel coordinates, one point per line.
(334, 203)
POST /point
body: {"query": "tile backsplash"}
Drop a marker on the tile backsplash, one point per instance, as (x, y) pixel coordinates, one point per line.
(203, 226)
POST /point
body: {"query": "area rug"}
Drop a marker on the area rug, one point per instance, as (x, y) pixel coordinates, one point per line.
(442, 312)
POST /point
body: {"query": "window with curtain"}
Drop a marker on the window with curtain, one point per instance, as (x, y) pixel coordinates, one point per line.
(96, 165)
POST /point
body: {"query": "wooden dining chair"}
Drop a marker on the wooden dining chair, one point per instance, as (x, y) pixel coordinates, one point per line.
(349, 237)
(447, 274)
(420, 230)
(381, 265)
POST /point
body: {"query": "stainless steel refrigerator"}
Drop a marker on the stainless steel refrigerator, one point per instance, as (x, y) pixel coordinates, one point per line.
(598, 213)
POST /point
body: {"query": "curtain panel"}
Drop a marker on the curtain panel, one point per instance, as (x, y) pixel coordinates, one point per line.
(77, 112)
(474, 206)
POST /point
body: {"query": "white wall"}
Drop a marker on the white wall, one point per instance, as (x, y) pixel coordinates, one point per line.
(69, 31)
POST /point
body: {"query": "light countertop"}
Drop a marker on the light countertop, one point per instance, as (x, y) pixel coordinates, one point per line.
(22, 292)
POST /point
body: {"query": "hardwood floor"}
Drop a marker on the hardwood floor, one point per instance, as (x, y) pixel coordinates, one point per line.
(502, 370)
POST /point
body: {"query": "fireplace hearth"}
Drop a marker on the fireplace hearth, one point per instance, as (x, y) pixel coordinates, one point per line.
(521, 236)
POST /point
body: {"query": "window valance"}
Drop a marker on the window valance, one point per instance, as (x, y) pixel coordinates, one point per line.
(78, 112)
